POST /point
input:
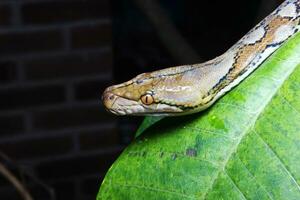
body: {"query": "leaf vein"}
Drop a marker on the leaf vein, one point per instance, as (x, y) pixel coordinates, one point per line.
(214, 132)
(289, 104)
(254, 178)
(285, 167)
(241, 108)
(235, 185)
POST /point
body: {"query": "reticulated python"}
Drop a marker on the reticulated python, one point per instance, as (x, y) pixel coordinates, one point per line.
(191, 88)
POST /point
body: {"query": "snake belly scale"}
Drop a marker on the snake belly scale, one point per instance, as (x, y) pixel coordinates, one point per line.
(188, 89)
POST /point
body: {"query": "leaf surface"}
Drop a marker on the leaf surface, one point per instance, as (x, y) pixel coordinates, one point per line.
(246, 146)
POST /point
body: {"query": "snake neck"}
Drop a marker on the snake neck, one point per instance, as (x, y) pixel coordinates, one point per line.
(249, 52)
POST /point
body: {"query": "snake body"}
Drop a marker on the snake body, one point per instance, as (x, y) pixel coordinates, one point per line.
(191, 88)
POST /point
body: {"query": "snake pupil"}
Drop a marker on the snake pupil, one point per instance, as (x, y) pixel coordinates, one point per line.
(147, 99)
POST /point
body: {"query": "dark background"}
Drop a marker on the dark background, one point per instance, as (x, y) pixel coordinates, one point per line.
(57, 56)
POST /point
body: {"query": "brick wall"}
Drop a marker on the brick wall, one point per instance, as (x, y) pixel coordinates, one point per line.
(55, 59)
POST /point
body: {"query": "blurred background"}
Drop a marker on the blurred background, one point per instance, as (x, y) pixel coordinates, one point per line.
(56, 58)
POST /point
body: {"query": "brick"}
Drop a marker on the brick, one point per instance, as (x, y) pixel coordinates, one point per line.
(99, 139)
(71, 117)
(29, 41)
(11, 124)
(76, 166)
(35, 148)
(58, 11)
(8, 72)
(88, 90)
(5, 15)
(91, 36)
(68, 66)
(25, 97)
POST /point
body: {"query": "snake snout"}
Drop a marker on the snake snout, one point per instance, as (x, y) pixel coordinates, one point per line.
(108, 98)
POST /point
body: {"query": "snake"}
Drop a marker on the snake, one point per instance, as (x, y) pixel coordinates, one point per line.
(188, 89)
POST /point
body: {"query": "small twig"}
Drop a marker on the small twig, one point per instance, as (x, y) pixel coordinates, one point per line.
(22, 171)
(167, 32)
(16, 183)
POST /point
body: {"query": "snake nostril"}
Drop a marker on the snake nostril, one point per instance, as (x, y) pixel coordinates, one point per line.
(111, 97)
(108, 99)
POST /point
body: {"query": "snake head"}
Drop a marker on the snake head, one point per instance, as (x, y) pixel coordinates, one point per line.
(161, 92)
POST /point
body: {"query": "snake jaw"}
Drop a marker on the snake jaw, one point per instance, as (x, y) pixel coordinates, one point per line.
(119, 105)
(108, 99)
(116, 104)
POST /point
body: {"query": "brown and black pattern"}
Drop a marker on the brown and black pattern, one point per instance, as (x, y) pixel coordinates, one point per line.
(254, 49)
(205, 82)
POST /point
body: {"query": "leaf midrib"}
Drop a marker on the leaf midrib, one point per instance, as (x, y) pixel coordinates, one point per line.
(247, 129)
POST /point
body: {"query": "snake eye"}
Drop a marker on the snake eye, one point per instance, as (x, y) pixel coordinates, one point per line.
(147, 99)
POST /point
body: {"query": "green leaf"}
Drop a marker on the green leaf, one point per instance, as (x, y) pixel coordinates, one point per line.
(246, 146)
(148, 122)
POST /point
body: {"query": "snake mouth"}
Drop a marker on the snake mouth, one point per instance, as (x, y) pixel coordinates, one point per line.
(119, 105)
(122, 106)
(108, 99)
